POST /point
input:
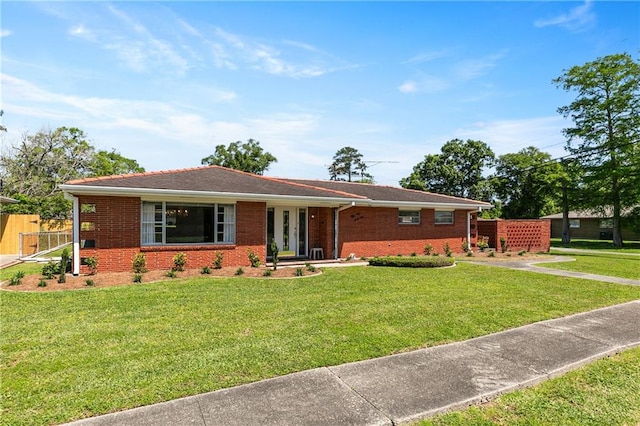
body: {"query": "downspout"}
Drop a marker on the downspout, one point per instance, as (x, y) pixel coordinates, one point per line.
(76, 236)
(336, 223)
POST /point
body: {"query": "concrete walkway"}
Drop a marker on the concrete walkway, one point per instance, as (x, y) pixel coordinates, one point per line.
(7, 260)
(409, 386)
(530, 265)
(578, 251)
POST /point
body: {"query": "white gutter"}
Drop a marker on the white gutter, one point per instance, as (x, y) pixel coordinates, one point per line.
(336, 223)
(162, 193)
(76, 236)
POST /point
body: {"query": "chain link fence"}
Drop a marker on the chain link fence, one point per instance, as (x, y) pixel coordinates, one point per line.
(32, 243)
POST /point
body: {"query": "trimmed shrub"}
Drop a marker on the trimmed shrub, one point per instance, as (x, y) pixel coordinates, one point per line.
(179, 261)
(42, 283)
(92, 264)
(50, 269)
(205, 270)
(89, 283)
(217, 261)
(412, 262)
(239, 271)
(428, 249)
(137, 278)
(298, 272)
(64, 263)
(139, 263)
(253, 258)
(266, 273)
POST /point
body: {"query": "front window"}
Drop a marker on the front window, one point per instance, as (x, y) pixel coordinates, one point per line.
(409, 217)
(574, 223)
(443, 217)
(606, 223)
(182, 223)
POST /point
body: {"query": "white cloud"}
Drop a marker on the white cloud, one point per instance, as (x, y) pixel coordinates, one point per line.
(474, 68)
(577, 19)
(505, 136)
(5, 33)
(408, 87)
(427, 56)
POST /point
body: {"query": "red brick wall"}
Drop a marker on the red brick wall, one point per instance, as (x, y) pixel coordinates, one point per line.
(369, 231)
(117, 237)
(521, 234)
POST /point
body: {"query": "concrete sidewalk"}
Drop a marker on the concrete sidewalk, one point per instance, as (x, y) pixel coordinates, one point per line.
(409, 386)
(530, 265)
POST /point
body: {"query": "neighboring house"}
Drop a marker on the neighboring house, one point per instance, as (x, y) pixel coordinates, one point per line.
(204, 210)
(589, 225)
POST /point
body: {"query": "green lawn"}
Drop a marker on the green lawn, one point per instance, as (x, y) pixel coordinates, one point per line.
(606, 392)
(629, 246)
(601, 264)
(28, 268)
(73, 354)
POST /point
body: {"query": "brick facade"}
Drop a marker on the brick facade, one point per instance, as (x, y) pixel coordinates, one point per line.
(521, 234)
(368, 231)
(114, 232)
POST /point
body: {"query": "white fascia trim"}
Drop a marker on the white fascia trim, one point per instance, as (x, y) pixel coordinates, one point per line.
(160, 194)
(413, 205)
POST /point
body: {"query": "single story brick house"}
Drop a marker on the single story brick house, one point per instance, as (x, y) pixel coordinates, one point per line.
(590, 225)
(204, 210)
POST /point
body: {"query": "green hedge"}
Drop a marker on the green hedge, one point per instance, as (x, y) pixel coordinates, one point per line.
(412, 261)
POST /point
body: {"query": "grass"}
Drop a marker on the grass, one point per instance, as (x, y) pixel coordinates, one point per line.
(606, 392)
(629, 246)
(73, 354)
(600, 264)
(28, 268)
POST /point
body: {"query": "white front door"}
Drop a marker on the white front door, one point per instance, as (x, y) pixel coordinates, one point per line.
(288, 227)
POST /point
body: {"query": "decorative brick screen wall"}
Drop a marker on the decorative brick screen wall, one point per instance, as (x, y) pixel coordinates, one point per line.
(521, 234)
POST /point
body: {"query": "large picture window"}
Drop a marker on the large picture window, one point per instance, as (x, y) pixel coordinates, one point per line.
(182, 223)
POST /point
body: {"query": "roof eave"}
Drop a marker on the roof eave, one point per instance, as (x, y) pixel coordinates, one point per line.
(425, 205)
(149, 193)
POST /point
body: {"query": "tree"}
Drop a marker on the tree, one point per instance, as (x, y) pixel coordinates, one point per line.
(457, 170)
(528, 183)
(248, 157)
(604, 139)
(107, 163)
(348, 165)
(2, 128)
(41, 162)
(33, 169)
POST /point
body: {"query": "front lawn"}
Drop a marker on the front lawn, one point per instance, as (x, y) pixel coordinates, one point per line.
(73, 354)
(629, 246)
(600, 264)
(606, 392)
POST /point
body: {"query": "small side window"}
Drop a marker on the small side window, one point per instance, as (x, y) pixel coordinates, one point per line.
(443, 217)
(411, 217)
(574, 223)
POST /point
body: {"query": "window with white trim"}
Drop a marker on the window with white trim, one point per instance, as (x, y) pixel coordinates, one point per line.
(185, 223)
(409, 217)
(574, 223)
(443, 217)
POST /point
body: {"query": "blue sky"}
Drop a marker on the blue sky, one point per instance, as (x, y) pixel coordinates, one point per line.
(165, 82)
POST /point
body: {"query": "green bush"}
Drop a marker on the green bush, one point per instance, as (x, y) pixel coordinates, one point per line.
(298, 272)
(42, 283)
(266, 273)
(89, 283)
(16, 279)
(92, 264)
(139, 263)
(137, 278)
(205, 270)
(447, 249)
(179, 261)
(50, 269)
(171, 273)
(428, 249)
(217, 261)
(412, 262)
(239, 271)
(64, 263)
(253, 258)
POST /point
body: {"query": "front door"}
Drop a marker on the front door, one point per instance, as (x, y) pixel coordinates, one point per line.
(288, 227)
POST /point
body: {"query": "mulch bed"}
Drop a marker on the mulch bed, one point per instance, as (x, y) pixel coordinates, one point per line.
(112, 279)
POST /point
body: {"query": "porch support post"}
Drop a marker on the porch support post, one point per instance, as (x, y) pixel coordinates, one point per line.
(469, 230)
(76, 236)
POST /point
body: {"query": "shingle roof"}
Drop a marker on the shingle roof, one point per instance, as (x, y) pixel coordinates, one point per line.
(210, 180)
(386, 193)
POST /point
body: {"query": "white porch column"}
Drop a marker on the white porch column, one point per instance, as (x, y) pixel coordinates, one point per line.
(469, 230)
(76, 236)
